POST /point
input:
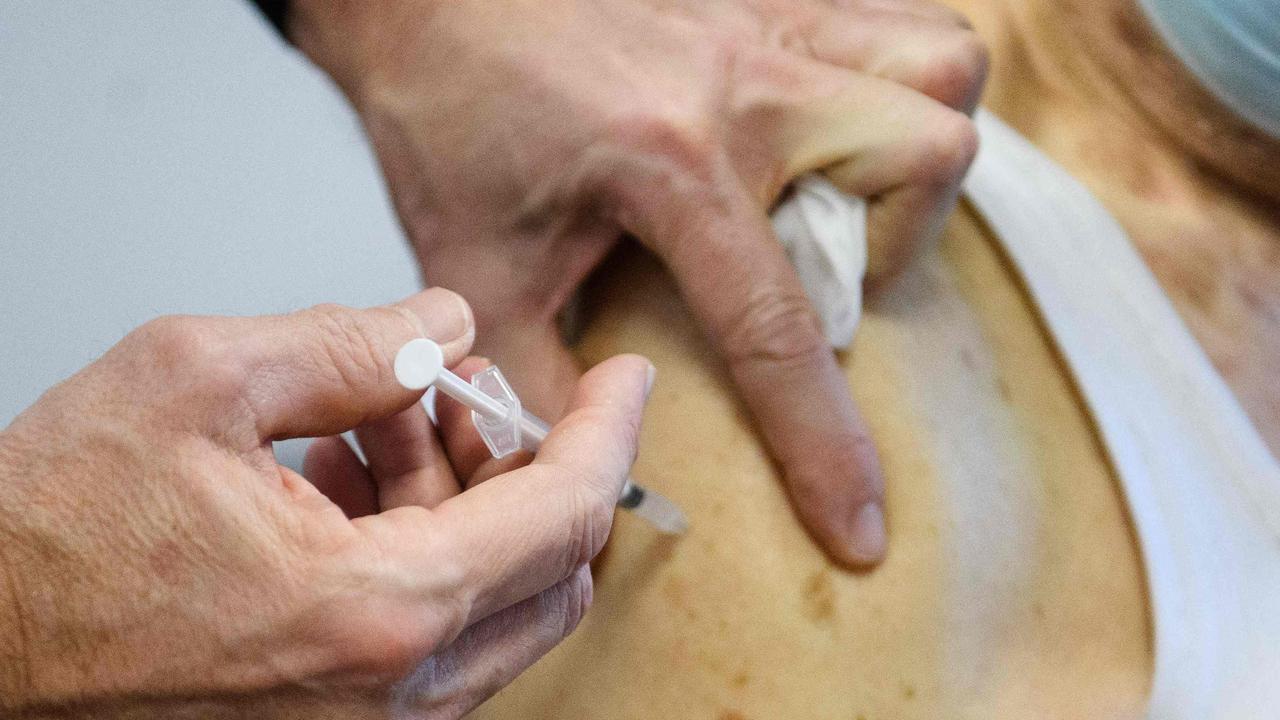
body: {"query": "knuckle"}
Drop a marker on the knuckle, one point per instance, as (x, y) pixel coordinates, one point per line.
(365, 643)
(449, 588)
(382, 625)
(192, 347)
(391, 649)
(567, 604)
(952, 144)
(175, 340)
(957, 70)
(592, 513)
(776, 326)
(581, 595)
(453, 601)
(671, 142)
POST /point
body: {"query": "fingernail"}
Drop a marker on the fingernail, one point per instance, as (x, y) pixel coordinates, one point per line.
(868, 539)
(648, 381)
(446, 319)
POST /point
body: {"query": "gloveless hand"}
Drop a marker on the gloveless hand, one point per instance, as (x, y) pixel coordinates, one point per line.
(155, 561)
(522, 138)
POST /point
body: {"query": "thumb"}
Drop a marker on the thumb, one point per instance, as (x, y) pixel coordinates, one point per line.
(329, 368)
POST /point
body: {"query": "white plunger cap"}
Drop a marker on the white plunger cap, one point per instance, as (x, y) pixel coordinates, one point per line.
(418, 363)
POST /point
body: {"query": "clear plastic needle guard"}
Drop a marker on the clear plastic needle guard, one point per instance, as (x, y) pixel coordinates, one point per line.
(506, 427)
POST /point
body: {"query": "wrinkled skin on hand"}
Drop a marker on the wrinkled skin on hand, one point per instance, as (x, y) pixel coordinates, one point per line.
(156, 562)
(521, 140)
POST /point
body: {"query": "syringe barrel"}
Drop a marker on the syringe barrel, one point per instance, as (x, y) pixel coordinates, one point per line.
(533, 430)
(467, 394)
(422, 368)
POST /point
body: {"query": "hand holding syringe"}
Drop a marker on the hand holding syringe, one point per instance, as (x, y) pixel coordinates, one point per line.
(506, 427)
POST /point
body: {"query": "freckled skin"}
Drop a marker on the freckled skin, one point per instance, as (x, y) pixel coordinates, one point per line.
(977, 612)
(971, 608)
(1198, 191)
(820, 597)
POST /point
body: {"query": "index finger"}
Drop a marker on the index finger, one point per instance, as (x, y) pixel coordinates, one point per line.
(737, 279)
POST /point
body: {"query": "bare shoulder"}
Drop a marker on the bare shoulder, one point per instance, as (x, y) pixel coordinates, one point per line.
(1013, 587)
(1211, 240)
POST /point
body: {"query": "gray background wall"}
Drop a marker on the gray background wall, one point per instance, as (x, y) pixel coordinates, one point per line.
(161, 156)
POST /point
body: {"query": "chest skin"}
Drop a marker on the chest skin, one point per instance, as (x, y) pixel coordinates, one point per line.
(1013, 586)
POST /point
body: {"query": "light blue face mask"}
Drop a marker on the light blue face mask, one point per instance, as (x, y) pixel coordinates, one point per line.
(1233, 47)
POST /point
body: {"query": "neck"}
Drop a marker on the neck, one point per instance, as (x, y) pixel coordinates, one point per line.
(1107, 51)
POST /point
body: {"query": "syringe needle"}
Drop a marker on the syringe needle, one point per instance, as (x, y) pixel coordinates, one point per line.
(654, 508)
(506, 427)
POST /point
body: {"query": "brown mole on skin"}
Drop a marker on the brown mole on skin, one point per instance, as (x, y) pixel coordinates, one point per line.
(675, 591)
(1002, 387)
(820, 597)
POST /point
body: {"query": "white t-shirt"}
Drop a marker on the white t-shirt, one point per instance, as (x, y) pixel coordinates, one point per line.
(1202, 487)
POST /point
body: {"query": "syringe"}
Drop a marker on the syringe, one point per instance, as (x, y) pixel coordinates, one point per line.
(506, 427)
